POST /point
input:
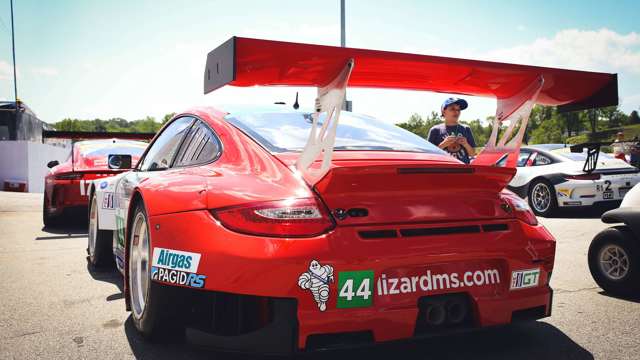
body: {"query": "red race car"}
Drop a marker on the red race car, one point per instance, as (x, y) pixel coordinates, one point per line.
(66, 184)
(277, 230)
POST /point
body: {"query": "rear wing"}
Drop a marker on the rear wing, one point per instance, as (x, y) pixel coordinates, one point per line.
(88, 135)
(593, 152)
(251, 62)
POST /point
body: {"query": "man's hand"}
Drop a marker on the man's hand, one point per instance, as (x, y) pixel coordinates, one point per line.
(449, 140)
(465, 144)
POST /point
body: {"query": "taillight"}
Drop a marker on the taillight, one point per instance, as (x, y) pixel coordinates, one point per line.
(521, 210)
(582, 177)
(69, 176)
(284, 218)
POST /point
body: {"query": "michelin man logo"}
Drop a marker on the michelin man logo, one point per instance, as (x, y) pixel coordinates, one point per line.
(317, 280)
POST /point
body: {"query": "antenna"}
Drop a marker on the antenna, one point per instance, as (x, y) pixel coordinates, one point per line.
(296, 105)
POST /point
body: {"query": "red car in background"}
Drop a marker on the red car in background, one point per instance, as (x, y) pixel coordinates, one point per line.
(66, 184)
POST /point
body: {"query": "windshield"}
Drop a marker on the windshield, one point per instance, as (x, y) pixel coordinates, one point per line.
(288, 131)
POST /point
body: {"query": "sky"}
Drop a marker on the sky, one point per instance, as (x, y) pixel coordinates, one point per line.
(102, 59)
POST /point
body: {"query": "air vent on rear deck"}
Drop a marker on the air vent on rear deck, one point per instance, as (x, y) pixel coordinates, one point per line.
(436, 170)
(378, 234)
(495, 227)
(440, 231)
(432, 231)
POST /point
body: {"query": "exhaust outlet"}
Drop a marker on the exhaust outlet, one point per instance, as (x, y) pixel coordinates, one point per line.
(436, 314)
(456, 311)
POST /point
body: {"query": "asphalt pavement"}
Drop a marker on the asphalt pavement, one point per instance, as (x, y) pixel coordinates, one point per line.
(52, 306)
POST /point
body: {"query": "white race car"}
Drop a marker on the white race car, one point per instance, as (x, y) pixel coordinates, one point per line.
(552, 176)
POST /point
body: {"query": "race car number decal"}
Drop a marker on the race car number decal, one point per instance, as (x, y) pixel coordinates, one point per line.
(85, 187)
(108, 201)
(523, 279)
(176, 267)
(355, 289)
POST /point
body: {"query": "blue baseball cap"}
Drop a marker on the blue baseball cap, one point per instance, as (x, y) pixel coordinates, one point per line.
(462, 102)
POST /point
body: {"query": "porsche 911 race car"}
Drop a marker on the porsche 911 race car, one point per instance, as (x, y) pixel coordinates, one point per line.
(275, 230)
(67, 184)
(551, 176)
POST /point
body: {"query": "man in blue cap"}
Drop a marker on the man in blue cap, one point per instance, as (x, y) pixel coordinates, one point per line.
(451, 136)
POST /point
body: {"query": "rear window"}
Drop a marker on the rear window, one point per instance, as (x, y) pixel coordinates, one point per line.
(107, 148)
(578, 156)
(289, 131)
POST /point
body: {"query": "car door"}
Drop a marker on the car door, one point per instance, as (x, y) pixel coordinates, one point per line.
(154, 167)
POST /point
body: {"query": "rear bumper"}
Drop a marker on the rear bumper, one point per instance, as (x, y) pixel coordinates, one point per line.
(280, 336)
(278, 270)
(65, 194)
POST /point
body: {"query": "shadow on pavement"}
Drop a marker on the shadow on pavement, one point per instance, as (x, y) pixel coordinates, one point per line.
(110, 275)
(584, 212)
(535, 340)
(635, 299)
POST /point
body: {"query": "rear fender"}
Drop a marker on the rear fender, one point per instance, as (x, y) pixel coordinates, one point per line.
(629, 216)
(135, 199)
(105, 197)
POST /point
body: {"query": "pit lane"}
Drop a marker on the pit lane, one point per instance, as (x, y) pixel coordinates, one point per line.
(53, 306)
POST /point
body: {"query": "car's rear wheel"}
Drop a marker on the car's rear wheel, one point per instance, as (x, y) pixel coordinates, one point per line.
(154, 312)
(614, 262)
(100, 244)
(542, 198)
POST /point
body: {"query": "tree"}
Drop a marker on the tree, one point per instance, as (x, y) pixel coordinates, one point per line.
(634, 118)
(167, 117)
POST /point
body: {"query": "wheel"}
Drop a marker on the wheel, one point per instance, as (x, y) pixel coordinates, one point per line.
(614, 261)
(100, 244)
(48, 220)
(542, 198)
(153, 306)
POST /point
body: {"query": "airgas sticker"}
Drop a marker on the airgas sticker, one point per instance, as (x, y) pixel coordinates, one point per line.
(317, 279)
(176, 267)
(523, 279)
(354, 289)
(175, 259)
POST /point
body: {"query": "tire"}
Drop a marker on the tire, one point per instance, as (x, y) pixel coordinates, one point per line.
(156, 316)
(615, 243)
(535, 196)
(100, 242)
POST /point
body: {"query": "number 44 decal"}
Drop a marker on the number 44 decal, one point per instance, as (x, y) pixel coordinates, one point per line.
(354, 289)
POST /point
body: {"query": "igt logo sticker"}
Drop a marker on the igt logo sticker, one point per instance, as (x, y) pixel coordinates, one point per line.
(354, 289)
(523, 279)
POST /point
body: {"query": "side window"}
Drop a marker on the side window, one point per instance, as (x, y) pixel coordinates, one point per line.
(523, 157)
(541, 160)
(199, 147)
(162, 150)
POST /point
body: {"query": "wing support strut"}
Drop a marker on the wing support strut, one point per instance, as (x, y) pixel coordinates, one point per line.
(322, 137)
(516, 110)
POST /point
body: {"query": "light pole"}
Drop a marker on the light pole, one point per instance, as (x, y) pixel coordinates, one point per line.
(346, 105)
(13, 49)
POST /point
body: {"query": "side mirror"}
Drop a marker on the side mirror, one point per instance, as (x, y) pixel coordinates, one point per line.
(53, 163)
(119, 162)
